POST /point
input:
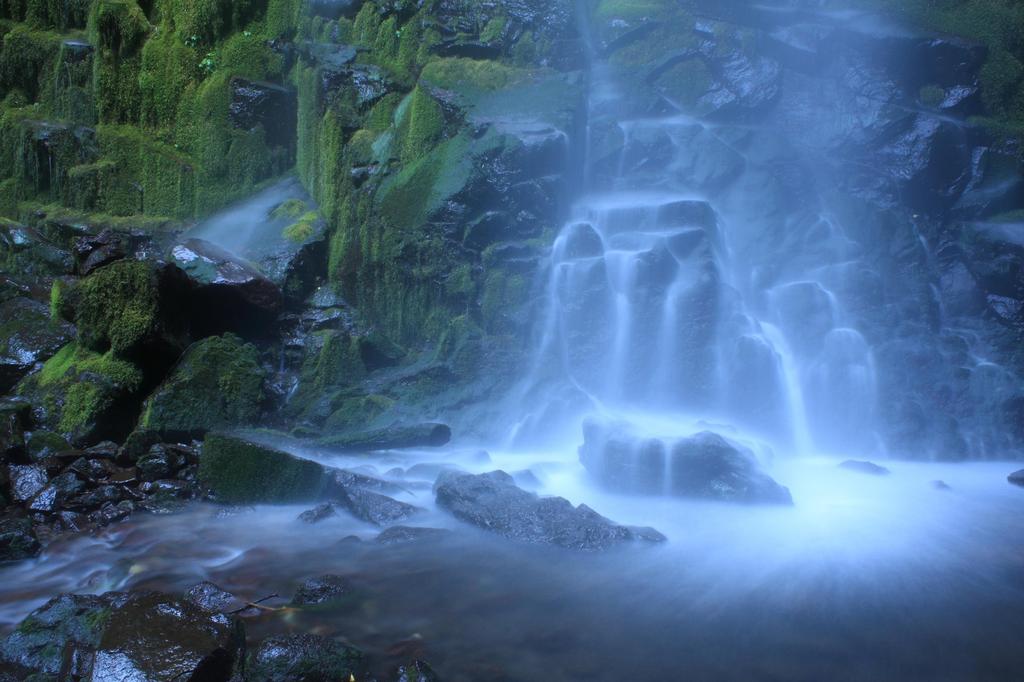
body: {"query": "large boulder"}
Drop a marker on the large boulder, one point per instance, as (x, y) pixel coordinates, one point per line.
(229, 293)
(702, 465)
(136, 309)
(238, 471)
(28, 337)
(493, 501)
(217, 383)
(119, 636)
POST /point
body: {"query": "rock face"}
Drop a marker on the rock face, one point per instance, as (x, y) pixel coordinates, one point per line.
(704, 465)
(493, 502)
(266, 105)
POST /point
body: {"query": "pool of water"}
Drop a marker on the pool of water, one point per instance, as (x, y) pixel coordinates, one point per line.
(865, 578)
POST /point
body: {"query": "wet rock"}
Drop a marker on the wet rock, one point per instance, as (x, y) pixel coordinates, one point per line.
(28, 337)
(210, 597)
(67, 629)
(320, 590)
(493, 501)
(92, 470)
(92, 252)
(229, 294)
(152, 636)
(26, 481)
(703, 465)
(41, 444)
(1016, 478)
(239, 471)
(107, 449)
(396, 535)
(257, 104)
(56, 493)
(392, 438)
(217, 383)
(380, 510)
(941, 485)
(17, 540)
(863, 467)
(318, 513)
(303, 658)
(159, 462)
(97, 498)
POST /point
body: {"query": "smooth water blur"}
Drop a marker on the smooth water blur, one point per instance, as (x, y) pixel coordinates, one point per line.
(866, 578)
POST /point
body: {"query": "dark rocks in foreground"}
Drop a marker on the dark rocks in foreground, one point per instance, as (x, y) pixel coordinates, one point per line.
(493, 502)
(139, 636)
(704, 465)
(864, 467)
(1016, 478)
(302, 658)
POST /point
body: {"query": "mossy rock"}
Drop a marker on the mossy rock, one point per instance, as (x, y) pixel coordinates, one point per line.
(238, 471)
(132, 308)
(217, 383)
(84, 396)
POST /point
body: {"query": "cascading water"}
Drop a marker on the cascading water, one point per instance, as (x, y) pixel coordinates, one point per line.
(657, 300)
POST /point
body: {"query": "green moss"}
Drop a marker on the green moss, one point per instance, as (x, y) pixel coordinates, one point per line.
(56, 299)
(359, 412)
(117, 306)
(997, 24)
(241, 472)
(303, 229)
(494, 30)
(27, 61)
(217, 383)
(461, 73)
(290, 209)
(117, 28)
(423, 127)
(247, 54)
(168, 69)
(931, 95)
(80, 391)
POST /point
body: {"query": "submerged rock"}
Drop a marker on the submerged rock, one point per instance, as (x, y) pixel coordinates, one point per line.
(864, 467)
(397, 535)
(380, 510)
(1016, 478)
(703, 465)
(318, 513)
(321, 590)
(493, 502)
(210, 597)
(304, 658)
